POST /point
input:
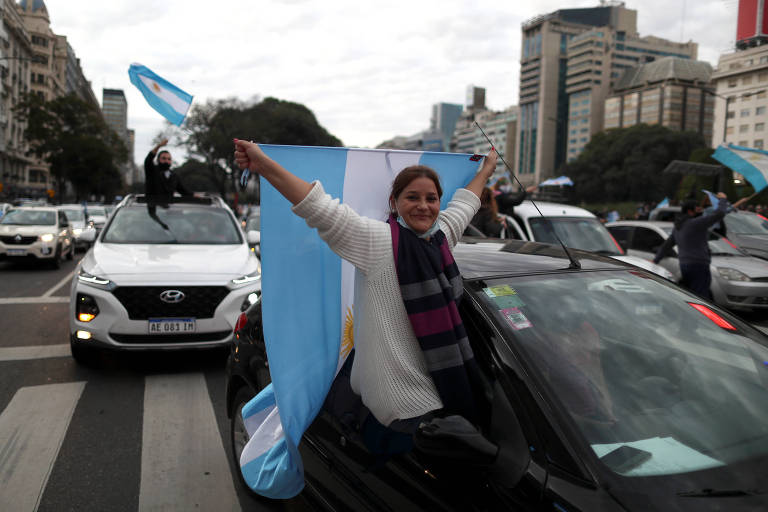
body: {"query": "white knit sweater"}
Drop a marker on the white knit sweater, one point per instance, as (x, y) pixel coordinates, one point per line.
(389, 371)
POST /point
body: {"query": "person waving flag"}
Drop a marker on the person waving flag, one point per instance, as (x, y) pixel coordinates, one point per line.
(170, 101)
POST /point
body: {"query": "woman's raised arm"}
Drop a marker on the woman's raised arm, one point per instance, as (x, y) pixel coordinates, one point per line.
(249, 155)
(477, 183)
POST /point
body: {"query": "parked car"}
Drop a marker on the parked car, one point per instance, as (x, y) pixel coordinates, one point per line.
(749, 231)
(38, 232)
(76, 216)
(173, 281)
(605, 388)
(96, 215)
(739, 281)
(576, 227)
(4, 207)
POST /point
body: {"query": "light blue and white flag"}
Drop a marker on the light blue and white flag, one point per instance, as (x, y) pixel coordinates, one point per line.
(663, 203)
(750, 163)
(560, 180)
(170, 101)
(307, 292)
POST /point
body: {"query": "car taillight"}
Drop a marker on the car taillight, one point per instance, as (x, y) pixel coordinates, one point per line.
(717, 319)
(241, 321)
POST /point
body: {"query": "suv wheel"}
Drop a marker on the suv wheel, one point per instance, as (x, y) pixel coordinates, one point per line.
(56, 261)
(71, 253)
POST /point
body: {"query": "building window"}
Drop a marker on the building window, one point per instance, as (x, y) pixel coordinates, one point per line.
(731, 114)
(762, 76)
(744, 128)
(729, 130)
(745, 112)
(760, 111)
(732, 83)
(760, 95)
(746, 80)
(759, 144)
(743, 143)
(759, 127)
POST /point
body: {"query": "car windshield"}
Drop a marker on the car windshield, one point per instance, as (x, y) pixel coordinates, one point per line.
(97, 210)
(746, 224)
(29, 218)
(638, 363)
(180, 224)
(74, 214)
(252, 223)
(575, 232)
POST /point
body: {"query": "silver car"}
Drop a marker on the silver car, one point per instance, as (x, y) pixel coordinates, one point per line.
(739, 281)
(76, 215)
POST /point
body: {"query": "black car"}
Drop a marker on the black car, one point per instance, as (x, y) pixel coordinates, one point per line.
(604, 388)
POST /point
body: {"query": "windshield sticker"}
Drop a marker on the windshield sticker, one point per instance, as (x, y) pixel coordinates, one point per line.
(516, 318)
(668, 456)
(499, 291)
(508, 301)
(619, 285)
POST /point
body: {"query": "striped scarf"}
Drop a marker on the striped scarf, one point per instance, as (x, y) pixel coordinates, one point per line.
(431, 287)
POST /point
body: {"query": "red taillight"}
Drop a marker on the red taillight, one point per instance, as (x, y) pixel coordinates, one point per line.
(241, 321)
(717, 319)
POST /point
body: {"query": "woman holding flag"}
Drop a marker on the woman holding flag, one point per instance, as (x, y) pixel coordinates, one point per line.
(412, 355)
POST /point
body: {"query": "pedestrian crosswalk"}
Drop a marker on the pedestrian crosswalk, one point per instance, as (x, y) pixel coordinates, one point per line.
(183, 463)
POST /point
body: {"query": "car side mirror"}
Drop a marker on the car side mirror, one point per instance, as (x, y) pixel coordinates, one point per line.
(253, 237)
(88, 235)
(454, 437)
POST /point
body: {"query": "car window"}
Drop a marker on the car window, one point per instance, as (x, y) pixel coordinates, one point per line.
(95, 210)
(75, 214)
(646, 240)
(746, 224)
(29, 218)
(575, 232)
(253, 223)
(176, 225)
(634, 361)
(622, 234)
(62, 218)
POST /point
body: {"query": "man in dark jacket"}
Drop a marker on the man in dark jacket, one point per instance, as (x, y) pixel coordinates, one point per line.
(160, 181)
(691, 234)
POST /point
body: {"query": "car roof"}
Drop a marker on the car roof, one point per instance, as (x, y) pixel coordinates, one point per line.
(663, 224)
(482, 258)
(36, 208)
(526, 209)
(202, 199)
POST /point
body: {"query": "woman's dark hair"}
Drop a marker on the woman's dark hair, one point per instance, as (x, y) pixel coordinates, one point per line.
(407, 175)
(488, 201)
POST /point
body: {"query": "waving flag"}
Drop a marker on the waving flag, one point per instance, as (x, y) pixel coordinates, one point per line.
(170, 101)
(307, 290)
(561, 180)
(750, 163)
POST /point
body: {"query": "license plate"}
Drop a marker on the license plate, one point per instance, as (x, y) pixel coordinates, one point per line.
(172, 325)
(17, 252)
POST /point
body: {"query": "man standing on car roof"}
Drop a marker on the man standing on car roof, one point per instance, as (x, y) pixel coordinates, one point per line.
(691, 234)
(160, 181)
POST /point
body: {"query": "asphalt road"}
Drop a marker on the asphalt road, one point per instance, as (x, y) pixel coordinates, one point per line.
(142, 432)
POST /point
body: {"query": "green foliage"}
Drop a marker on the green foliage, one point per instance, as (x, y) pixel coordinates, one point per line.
(210, 128)
(626, 164)
(73, 138)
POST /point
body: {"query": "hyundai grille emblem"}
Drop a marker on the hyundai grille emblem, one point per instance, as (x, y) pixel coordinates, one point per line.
(172, 296)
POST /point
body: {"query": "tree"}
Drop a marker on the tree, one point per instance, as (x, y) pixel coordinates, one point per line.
(626, 164)
(73, 138)
(211, 127)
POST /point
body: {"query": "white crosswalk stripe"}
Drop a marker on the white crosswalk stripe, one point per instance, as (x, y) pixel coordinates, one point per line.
(35, 352)
(183, 464)
(32, 429)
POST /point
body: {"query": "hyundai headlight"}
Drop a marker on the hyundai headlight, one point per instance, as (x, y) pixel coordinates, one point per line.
(85, 277)
(48, 237)
(248, 278)
(731, 274)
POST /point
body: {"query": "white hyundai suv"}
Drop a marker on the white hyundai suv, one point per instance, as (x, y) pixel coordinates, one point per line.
(163, 277)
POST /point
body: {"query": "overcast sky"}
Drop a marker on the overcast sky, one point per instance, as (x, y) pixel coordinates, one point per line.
(368, 70)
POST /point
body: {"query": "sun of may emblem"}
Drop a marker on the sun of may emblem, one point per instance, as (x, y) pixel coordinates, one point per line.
(348, 335)
(155, 87)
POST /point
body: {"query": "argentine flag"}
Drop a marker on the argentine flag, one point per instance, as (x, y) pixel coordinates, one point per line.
(170, 101)
(750, 163)
(561, 180)
(307, 309)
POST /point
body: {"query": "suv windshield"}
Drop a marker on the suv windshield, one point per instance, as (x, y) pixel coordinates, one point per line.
(29, 218)
(575, 232)
(746, 224)
(74, 214)
(638, 363)
(184, 224)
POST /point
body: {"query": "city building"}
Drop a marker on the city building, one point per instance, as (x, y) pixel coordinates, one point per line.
(114, 106)
(71, 73)
(741, 84)
(673, 92)
(15, 64)
(752, 24)
(500, 127)
(568, 59)
(443, 120)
